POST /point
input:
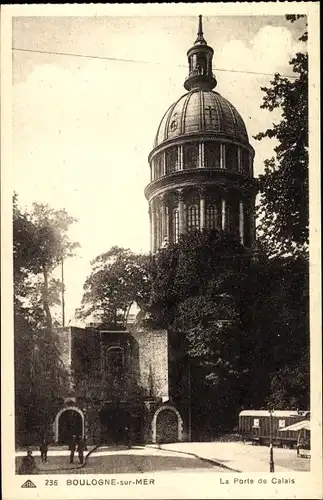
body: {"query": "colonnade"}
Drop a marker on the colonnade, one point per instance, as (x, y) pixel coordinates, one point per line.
(169, 219)
(159, 167)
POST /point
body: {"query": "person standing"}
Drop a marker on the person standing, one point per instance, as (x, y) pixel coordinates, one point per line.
(127, 436)
(72, 448)
(43, 450)
(28, 464)
(81, 447)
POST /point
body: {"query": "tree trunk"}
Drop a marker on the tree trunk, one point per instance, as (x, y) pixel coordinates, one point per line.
(48, 316)
(126, 315)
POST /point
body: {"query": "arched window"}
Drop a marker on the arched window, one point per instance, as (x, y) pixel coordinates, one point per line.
(190, 156)
(201, 65)
(171, 157)
(193, 217)
(175, 225)
(212, 155)
(211, 217)
(114, 364)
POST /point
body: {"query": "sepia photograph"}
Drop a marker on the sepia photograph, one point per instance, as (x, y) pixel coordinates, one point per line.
(161, 248)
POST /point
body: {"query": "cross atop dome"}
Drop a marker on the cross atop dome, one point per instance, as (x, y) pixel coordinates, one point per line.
(200, 64)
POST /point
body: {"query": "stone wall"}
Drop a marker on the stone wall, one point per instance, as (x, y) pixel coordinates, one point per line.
(148, 363)
(64, 345)
(153, 361)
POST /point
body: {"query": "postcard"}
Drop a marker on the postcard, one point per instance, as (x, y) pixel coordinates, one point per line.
(161, 300)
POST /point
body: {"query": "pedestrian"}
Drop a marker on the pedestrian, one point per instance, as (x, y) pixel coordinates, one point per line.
(81, 447)
(127, 436)
(28, 464)
(43, 450)
(72, 448)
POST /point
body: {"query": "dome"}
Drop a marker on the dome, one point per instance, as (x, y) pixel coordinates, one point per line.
(201, 111)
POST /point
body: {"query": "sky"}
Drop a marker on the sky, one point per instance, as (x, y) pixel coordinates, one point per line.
(83, 127)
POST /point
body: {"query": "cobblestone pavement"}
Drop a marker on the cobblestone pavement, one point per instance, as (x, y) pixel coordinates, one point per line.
(136, 460)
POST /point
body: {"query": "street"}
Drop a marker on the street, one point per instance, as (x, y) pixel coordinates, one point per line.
(135, 460)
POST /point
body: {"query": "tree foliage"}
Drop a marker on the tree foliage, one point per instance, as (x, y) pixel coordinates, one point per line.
(229, 316)
(243, 323)
(40, 241)
(284, 204)
(118, 279)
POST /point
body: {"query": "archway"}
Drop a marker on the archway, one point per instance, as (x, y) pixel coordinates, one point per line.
(68, 422)
(114, 422)
(167, 425)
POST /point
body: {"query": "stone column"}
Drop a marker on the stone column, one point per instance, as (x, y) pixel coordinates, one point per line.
(201, 162)
(224, 214)
(150, 227)
(222, 155)
(250, 164)
(153, 227)
(164, 163)
(167, 223)
(180, 157)
(163, 221)
(241, 222)
(239, 159)
(157, 226)
(202, 209)
(180, 212)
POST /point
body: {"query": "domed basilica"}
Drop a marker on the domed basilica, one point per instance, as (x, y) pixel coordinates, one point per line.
(201, 166)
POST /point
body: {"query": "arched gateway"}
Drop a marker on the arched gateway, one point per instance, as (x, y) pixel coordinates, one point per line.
(167, 425)
(68, 422)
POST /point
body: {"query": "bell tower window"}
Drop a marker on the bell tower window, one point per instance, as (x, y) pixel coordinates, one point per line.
(201, 65)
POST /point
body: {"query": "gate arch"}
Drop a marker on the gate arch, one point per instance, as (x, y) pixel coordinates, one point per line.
(179, 422)
(63, 410)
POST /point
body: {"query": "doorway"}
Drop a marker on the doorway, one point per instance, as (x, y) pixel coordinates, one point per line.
(70, 423)
(114, 425)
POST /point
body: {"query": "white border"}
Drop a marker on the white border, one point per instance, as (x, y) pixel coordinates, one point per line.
(195, 485)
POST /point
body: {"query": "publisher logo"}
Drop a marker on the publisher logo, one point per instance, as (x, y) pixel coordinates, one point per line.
(28, 484)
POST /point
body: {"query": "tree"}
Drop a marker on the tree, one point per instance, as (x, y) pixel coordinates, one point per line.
(280, 331)
(200, 295)
(284, 203)
(233, 317)
(40, 242)
(119, 278)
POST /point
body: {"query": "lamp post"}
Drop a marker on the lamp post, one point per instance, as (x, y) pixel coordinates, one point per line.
(271, 447)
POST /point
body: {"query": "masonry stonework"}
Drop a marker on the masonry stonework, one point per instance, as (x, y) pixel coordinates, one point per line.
(110, 401)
